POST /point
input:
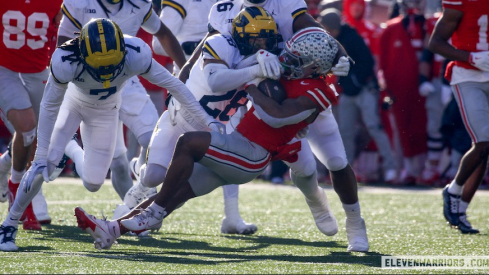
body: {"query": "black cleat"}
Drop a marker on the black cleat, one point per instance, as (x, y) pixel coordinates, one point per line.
(450, 207)
(464, 225)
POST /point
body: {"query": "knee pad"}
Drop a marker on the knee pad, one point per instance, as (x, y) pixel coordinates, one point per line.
(154, 175)
(91, 187)
(336, 163)
(29, 137)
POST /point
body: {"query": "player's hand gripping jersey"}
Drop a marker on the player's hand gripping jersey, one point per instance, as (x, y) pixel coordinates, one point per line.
(275, 139)
(24, 45)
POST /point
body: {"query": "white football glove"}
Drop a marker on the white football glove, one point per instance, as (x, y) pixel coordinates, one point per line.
(426, 88)
(342, 67)
(37, 167)
(480, 60)
(217, 126)
(269, 64)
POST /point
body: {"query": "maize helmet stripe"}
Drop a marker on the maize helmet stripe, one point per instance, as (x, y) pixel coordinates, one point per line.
(101, 32)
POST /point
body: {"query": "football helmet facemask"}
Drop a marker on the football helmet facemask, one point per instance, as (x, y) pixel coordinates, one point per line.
(309, 53)
(254, 29)
(251, 3)
(103, 50)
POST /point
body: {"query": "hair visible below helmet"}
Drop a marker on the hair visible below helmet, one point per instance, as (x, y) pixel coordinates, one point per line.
(102, 49)
(309, 53)
(254, 3)
(253, 23)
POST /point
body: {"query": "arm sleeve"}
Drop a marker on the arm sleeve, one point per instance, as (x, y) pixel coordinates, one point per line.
(174, 21)
(276, 122)
(151, 22)
(158, 75)
(220, 78)
(50, 104)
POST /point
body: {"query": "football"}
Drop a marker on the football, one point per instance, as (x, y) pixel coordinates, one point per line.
(273, 89)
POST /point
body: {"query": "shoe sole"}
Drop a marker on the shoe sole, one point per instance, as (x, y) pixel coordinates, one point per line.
(89, 226)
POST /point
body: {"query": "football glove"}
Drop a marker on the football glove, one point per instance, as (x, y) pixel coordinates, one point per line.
(269, 64)
(37, 167)
(342, 67)
(480, 60)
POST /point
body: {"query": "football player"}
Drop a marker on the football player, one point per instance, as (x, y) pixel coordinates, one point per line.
(98, 62)
(466, 24)
(324, 140)
(27, 32)
(188, 21)
(138, 113)
(202, 161)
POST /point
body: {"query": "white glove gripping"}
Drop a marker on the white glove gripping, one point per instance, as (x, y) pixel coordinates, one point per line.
(342, 67)
(37, 167)
(426, 88)
(269, 64)
(480, 60)
(217, 126)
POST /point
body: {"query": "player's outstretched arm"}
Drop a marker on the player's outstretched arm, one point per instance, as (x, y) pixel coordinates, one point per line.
(171, 45)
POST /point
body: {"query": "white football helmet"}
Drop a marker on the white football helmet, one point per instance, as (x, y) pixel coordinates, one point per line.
(254, 3)
(310, 52)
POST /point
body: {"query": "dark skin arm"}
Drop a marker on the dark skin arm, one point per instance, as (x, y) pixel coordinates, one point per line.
(445, 27)
(185, 70)
(288, 107)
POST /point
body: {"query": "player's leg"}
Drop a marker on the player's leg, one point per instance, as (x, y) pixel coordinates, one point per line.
(304, 175)
(119, 167)
(348, 115)
(327, 146)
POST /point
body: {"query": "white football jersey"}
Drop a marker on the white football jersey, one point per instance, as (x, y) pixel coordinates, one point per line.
(137, 61)
(218, 105)
(283, 11)
(128, 15)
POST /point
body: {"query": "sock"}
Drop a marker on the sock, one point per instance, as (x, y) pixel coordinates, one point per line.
(352, 211)
(16, 176)
(114, 228)
(5, 162)
(455, 189)
(75, 153)
(462, 206)
(160, 211)
(10, 221)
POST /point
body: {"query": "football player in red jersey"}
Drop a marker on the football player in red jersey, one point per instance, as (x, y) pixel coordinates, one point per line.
(203, 161)
(466, 24)
(27, 27)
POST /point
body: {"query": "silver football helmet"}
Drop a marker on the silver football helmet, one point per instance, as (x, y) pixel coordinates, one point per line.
(254, 3)
(310, 52)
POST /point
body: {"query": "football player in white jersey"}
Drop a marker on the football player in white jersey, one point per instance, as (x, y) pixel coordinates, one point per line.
(291, 16)
(99, 63)
(188, 21)
(137, 111)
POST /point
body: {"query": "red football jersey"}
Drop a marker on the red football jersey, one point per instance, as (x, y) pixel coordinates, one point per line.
(26, 26)
(272, 139)
(473, 29)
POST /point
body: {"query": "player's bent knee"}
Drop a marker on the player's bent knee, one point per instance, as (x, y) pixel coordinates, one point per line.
(307, 170)
(154, 175)
(91, 187)
(29, 137)
(119, 164)
(336, 163)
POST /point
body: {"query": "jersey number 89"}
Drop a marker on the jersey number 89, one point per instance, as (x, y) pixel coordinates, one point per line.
(14, 23)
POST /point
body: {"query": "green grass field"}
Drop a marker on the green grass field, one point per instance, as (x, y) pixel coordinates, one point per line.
(399, 221)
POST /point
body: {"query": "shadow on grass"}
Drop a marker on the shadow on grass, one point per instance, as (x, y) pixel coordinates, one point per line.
(178, 248)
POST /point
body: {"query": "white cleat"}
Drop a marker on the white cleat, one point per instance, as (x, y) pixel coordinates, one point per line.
(233, 226)
(120, 211)
(137, 194)
(323, 216)
(97, 228)
(134, 171)
(7, 238)
(356, 232)
(148, 219)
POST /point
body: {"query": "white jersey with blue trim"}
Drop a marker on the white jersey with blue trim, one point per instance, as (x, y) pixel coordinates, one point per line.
(129, 15)
(284, 12)
(138, 60)
(220, 105)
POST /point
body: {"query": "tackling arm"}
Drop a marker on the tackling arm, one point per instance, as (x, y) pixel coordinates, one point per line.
(171, 45)
(221, 78)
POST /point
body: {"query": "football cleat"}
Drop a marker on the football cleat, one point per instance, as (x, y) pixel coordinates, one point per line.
(148, 219)
(132, 166)
(356, 232)
(137, 194)
(232, 226)
(7, 238)
(450, 207)
(464, 225)
(323, 216)
(97, 228)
